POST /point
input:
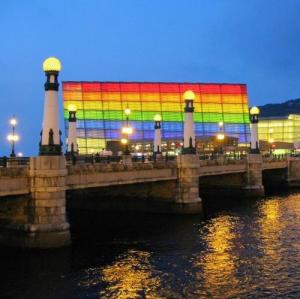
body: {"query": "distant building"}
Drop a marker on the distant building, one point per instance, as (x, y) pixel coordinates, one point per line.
(101, 105)
(279, 133)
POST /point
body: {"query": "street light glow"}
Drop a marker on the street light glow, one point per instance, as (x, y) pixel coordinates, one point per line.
(124, 141)
(220, 136)
(13, 121)
(189, 95)
(72, 108)
(254, 111)
(11, 137)
(20, 154)
(51, 64)
(127, 130)
(221, 124)
(157, 117)
(127, 111)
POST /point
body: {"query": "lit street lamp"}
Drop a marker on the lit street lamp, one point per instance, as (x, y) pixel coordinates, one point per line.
(13, 138)
(271, 145)
(220, 138)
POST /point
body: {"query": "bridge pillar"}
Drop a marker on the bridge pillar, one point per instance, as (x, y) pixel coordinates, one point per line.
(47, 225)
(127, 160)
(187, 198)
(254, 184)
(293, 177)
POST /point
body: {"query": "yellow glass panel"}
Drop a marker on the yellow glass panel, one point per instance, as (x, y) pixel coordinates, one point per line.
(207, 107)
(175, 107)
(81, 142)
(231, 108)
(147, 106)
(133, 105)
(91, 105)
(197, 106)
(112, 105)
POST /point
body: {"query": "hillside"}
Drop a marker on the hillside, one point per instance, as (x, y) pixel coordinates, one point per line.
(282, 109)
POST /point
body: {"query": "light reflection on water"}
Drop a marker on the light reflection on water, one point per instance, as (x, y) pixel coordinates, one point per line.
(250, 250)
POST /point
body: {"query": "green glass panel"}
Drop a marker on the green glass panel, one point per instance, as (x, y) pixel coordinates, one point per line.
(136, 115)
(212, 117)
(113, 115)
(172, 116)
(148, 115)
(198, 117)
(233, 117)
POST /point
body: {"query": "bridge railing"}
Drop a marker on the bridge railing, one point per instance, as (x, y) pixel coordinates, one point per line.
(14, 162)
(221, 159)
(274, 158)
(95, 159)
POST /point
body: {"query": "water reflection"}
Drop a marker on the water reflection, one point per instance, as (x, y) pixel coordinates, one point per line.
(131, 275)
(271, 227)
(217, 265)
(249, 250)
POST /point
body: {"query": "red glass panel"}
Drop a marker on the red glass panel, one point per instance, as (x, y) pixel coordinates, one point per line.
(231, 88)
(189, 86)
(169, 87)
(149, 87)
(130, 87)
(90, 86)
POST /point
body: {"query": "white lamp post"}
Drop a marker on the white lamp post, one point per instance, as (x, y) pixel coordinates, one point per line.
(13, 138)
(254, 145)
(72, 134)
(157, 134)
(188, 130)
(50, 144)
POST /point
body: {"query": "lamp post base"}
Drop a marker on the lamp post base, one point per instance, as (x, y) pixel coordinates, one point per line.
(188, 151)
(50, 150)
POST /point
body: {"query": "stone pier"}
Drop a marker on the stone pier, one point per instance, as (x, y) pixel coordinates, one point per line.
(293, 175)
(47, 225)
(187, 195)
(254, 185)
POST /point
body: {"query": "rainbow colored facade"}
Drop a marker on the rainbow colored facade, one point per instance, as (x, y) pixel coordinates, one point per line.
(101, 105)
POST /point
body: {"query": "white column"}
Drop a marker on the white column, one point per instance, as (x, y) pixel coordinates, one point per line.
(157, 134)
(51, 117)
(72, 134)
(254, 137)
(189, 132)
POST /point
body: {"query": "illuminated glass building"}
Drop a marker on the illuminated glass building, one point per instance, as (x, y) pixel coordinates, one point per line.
(283, 129)
(101, 105)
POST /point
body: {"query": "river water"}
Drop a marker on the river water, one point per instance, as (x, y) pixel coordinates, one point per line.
(248, 250)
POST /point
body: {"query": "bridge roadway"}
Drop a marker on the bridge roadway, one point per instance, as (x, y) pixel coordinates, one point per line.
(15, 180)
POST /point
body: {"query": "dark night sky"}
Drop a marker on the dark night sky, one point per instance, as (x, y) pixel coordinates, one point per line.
(256, 42)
